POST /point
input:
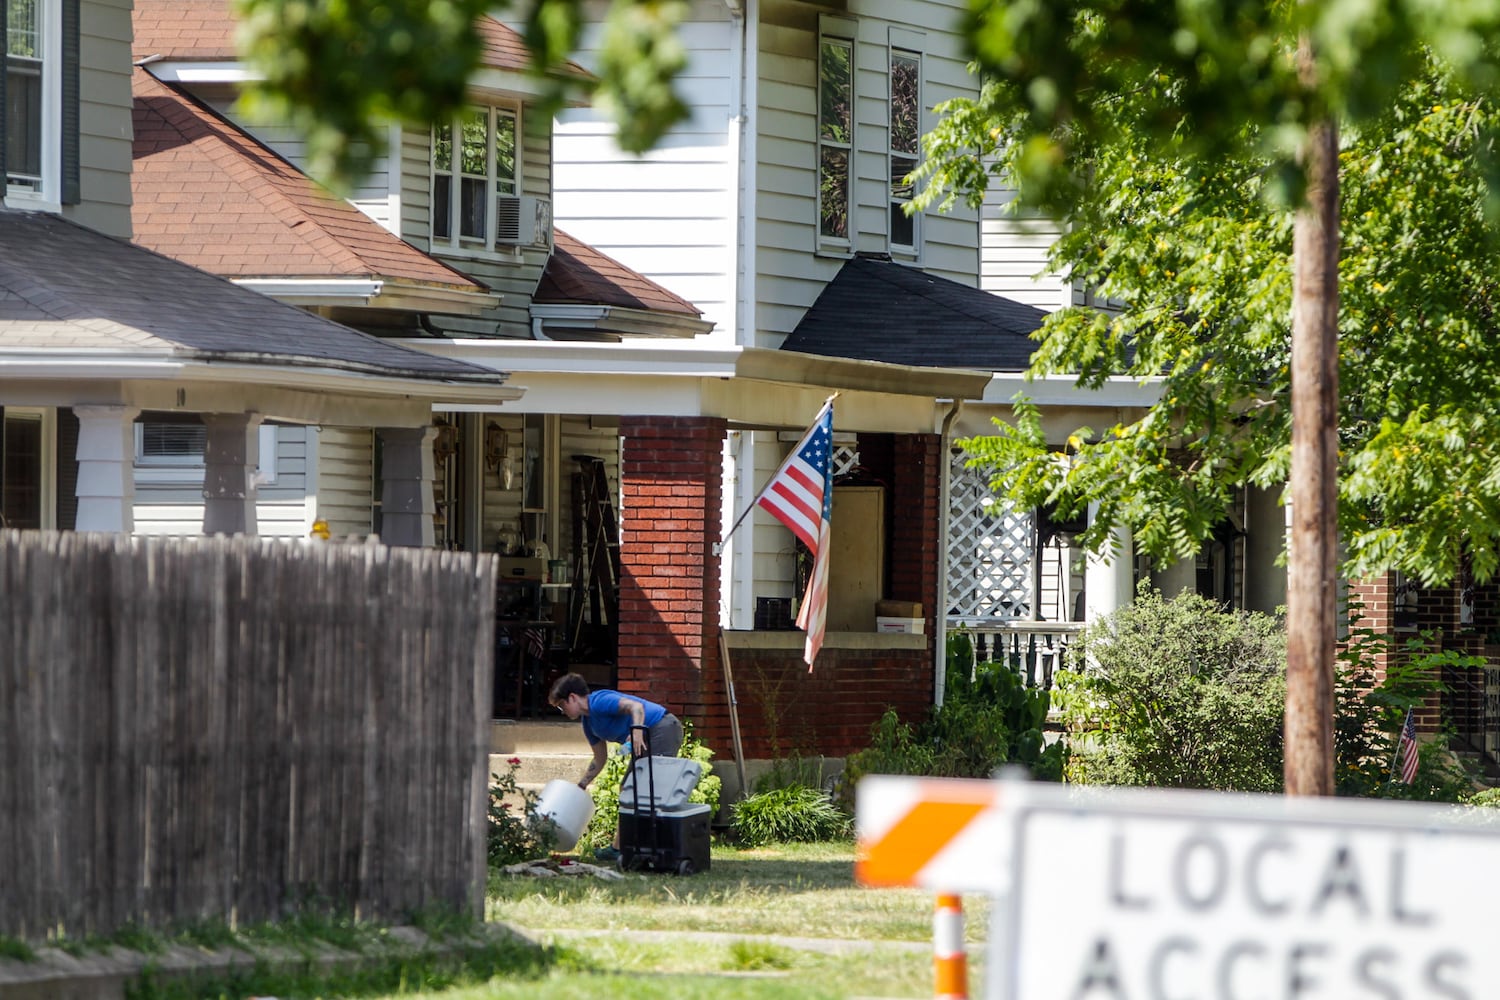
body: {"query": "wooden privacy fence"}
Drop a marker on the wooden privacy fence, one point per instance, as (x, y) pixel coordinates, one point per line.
(218, 728)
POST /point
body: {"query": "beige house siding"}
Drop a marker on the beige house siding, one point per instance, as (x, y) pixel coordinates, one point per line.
(104, 118)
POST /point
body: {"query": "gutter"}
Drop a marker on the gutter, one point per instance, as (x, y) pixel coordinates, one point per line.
(49, 365)
(373, 292)
(620, 320)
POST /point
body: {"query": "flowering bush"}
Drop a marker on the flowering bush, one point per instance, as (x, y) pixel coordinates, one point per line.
(513, 837)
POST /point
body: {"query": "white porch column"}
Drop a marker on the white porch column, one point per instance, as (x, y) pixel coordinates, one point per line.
(406, 477)
(106, 468)
(231, 453)
(1108, 578)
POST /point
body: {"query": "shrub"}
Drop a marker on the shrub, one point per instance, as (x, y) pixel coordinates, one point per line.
(1489, 798)
(606, 788)
(988, 718)
(789, 813)
(1368, 717)
(513, 836)
(1180, 694)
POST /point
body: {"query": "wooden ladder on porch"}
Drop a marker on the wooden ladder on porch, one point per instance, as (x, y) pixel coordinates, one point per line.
(596, 570)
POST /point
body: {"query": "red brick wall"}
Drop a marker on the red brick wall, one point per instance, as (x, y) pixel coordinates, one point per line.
(671, 484)
(785, 709)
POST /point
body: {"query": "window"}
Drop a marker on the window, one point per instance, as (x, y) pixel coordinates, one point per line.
(25, 56)
(21, 471)
(473, 176)
(172, 444)
(170, 449)
(905, 132)
(835, 134)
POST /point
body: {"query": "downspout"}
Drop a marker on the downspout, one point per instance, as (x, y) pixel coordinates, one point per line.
(940, 661)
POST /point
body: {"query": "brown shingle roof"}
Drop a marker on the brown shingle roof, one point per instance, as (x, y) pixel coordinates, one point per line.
(203, 30)
(577, 273)
(65, 287)
(210, 195)
(184, 29)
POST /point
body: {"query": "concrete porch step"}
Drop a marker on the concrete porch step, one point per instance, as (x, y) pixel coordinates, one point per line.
(523, 736)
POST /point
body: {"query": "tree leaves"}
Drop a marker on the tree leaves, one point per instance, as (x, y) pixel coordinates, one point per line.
(1200, 257)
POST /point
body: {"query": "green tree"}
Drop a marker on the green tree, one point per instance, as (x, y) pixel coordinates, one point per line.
(1194, 150)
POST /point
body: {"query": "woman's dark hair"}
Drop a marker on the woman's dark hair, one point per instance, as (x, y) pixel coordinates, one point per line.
(566, 685)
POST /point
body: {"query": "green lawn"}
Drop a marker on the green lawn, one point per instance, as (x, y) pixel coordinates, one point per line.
(740, 930)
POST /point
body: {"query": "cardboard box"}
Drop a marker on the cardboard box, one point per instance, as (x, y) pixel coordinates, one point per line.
(886, 623)
(899, 609)
(518, 568)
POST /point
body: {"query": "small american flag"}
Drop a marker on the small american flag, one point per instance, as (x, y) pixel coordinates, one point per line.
(1406, 750)
(800, 496)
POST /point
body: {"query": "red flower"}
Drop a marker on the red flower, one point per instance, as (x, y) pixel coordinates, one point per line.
(514, 761)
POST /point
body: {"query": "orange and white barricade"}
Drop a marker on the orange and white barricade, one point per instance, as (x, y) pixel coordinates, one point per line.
(944, 834)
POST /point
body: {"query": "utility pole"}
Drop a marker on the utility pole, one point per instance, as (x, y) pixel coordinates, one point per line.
(1312, 566)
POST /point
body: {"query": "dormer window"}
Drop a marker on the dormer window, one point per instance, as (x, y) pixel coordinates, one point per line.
(24, 60)
(473, 177)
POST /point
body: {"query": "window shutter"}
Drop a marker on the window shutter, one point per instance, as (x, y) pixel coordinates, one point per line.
(71, 192)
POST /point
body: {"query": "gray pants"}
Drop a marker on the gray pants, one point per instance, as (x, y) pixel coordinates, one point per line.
(666, 737)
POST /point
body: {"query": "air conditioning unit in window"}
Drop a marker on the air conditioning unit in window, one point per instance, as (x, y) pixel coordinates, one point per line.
(523, 220)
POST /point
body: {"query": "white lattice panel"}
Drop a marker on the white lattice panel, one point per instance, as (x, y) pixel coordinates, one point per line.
(845, 458)
(989, 549)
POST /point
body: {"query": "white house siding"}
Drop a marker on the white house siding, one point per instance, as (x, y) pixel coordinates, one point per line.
(104, 158)
(791, 269)
(345, 479)
(672, 213)
(1013, 255)
(282, 507)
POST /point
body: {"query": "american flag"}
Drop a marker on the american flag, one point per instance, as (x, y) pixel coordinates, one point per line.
(1406, 751)
(800, 496)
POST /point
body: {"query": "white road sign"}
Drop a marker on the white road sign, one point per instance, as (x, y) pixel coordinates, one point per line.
(1155, 895)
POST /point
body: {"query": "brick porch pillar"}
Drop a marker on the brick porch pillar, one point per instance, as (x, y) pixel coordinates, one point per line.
(917, 524)
(671, 484)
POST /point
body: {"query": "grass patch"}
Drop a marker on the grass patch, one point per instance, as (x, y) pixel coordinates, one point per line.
(751, 955)
(17, 949)
(396, 972)
(803, 890)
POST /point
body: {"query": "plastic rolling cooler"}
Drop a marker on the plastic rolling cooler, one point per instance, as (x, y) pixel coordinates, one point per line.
(660, 829)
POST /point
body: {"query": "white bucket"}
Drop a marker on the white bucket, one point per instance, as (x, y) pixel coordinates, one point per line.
(568, 807)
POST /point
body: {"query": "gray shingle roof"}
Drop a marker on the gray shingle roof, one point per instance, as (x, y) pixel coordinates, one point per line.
(65, 286)
(878, 310)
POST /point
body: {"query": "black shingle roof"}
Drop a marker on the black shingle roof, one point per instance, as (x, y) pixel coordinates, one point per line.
(878, 310)
(66, 287)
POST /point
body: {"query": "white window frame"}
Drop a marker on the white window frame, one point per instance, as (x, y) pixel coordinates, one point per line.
(903, 45)
(494, 187)
(46, 195)
(169, 469)
(836, 31)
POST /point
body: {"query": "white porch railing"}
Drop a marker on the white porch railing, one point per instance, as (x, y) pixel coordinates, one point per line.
(1035, 650)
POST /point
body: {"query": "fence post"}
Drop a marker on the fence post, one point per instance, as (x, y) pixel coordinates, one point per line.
(949, 963)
